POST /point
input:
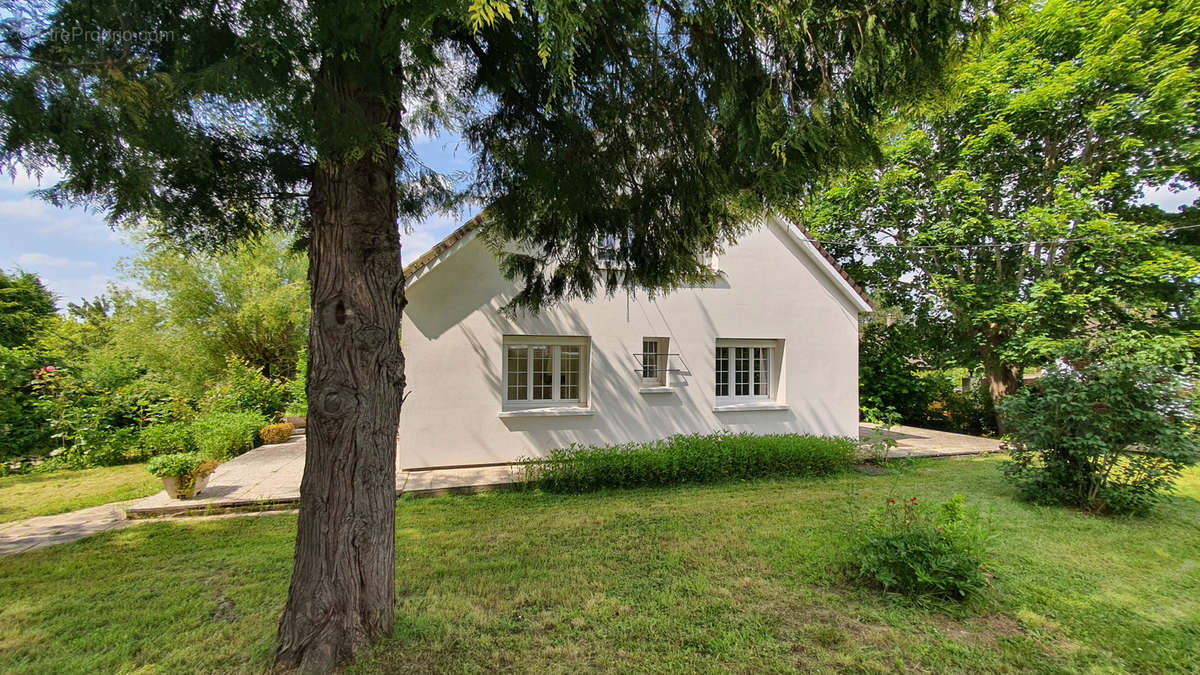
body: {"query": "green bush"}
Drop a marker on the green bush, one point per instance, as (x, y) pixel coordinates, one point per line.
(887, 380)
(244, 387)
(965, 412)
(923, 550)
(297, 395)
(23, 429)
(688, 459)
(163, 439)
(223, 435)
(175, 465)
(1105, 435)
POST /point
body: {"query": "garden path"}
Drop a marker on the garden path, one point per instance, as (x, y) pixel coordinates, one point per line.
(268, 478)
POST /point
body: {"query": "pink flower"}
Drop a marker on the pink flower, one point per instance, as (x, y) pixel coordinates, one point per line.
(49, 369)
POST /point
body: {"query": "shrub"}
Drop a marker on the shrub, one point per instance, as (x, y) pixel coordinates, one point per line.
(222, 435)
(244, 387)
(923, 550)
(1105, 435)
(688, 459)
(23, 429)
(297, 395)
(970, 411)
(162, 439)
(276, 433)
(887, 379)
(176, 465)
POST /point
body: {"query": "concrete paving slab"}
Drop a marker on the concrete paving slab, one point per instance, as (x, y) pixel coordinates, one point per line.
(268, 479)
(918, 442)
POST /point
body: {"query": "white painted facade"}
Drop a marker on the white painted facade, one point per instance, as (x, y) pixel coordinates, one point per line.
(777, 291)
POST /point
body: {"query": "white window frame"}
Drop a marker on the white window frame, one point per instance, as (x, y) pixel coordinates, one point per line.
(771, 359)
(555, 343)
(660, 364)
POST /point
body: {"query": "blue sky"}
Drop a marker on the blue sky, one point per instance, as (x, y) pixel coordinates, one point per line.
(76, 253)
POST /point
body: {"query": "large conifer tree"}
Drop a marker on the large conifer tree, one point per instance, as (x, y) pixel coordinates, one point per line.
(663, 123)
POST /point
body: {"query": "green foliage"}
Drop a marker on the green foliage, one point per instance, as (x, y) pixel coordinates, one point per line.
(23, 431)
(297, 394)
(174, 465)
(224, 435)
(185, 467)
(249, 301)
(25, 307)
(971, 411)
(887, 378)
(167, 438)
(687, 459)
(276, 433)
(1050, 133)
(96, 409)
(690, 126)
(243, 387)
(924, 550)
(1107, 433)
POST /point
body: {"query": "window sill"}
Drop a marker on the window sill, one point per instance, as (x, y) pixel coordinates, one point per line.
(564, 411)
(656, 390)
(751, 406)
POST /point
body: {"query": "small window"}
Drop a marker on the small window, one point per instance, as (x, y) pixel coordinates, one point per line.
(545, 371)
(654, 359)
(745, 369)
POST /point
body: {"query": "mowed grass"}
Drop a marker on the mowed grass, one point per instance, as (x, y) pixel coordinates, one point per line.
(743, 577)
(44, 494)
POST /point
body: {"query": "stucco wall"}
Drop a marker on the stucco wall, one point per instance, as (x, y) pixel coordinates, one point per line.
(453, 337)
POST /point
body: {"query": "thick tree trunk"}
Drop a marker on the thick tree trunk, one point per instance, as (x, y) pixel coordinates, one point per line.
(342, 595)
(1002, 380)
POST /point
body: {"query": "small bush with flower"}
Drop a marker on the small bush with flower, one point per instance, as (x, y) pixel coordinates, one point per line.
(932, 550)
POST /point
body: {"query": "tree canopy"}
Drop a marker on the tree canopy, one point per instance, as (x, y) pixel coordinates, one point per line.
(1009, 215)
(250, 302)
(25, 306)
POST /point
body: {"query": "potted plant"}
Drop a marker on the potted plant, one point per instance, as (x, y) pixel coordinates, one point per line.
(184, 474)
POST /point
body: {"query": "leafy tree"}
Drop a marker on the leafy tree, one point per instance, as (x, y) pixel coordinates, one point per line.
(664, 124)
(26, 305)
(22, 429)
(249, 301)
(1049, 135)
(26, 310)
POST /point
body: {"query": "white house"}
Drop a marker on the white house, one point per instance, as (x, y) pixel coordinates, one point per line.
(772, 348)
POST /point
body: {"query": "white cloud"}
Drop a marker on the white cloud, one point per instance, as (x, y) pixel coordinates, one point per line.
(426, 234)
(76, 289)
(36, 261)
(75, 223)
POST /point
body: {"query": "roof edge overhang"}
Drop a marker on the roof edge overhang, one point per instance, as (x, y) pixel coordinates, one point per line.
(821, 259)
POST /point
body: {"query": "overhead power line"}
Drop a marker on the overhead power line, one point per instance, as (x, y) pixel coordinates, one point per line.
(1044, 242)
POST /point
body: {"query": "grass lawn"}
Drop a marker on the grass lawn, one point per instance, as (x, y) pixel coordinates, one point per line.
(45, 494)
(738, 577)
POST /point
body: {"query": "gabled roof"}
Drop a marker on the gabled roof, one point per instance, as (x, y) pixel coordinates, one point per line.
(470, 228)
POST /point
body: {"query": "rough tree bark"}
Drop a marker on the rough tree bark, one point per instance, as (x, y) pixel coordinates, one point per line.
(342, 594)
